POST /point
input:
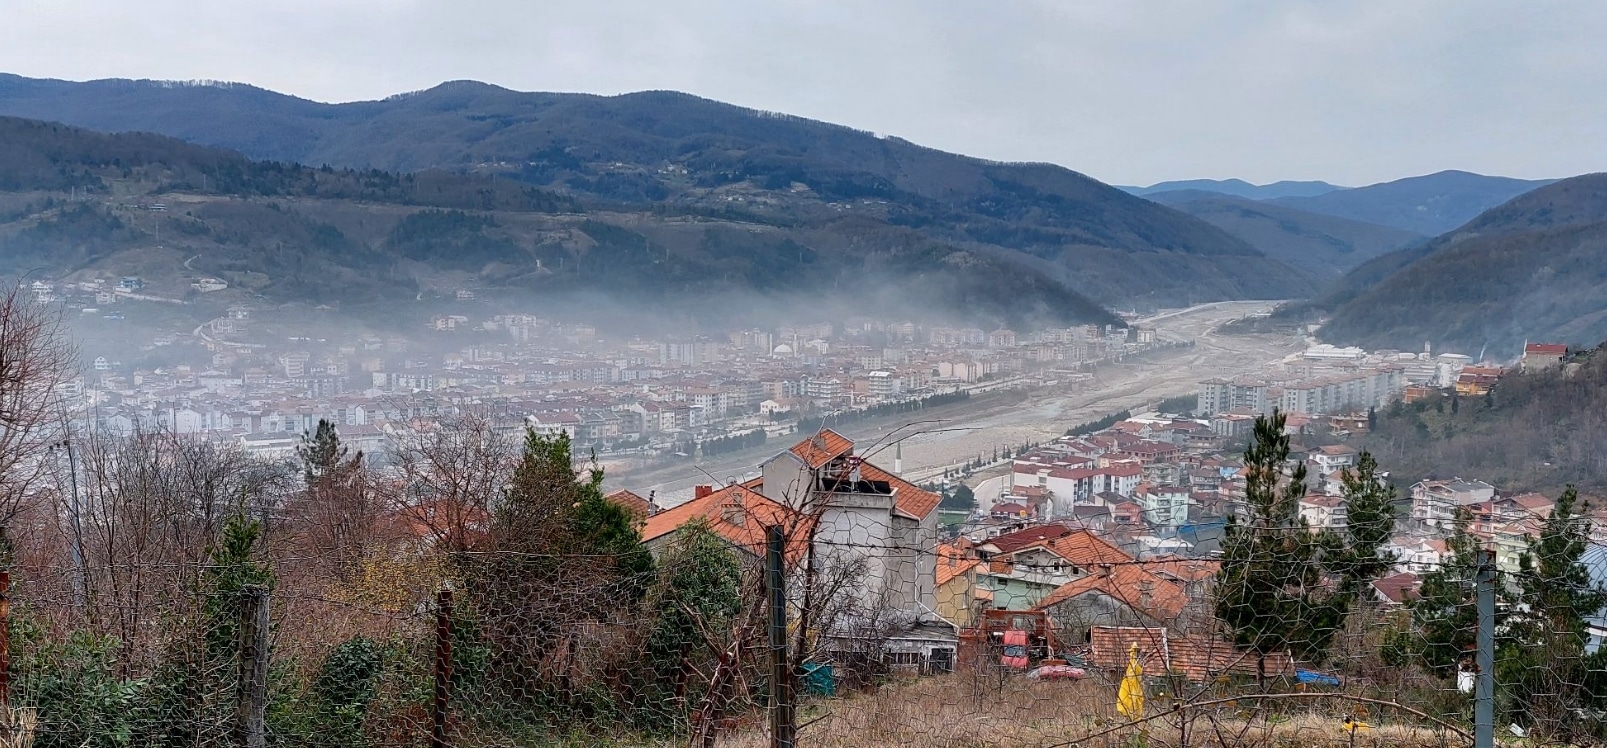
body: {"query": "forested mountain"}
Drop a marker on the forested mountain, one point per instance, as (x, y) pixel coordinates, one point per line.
(1429, 205)
(1531, 269)
(1321, 245)
(78, 204)
(669, 151)
(1536, 431)
(1238, 188)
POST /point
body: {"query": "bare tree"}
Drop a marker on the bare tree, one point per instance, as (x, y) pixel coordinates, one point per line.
(36, 359)
(448, 478)
(154, 505)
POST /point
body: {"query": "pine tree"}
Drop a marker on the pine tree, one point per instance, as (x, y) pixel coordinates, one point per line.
(1370, 520)
(1445, 617)
(1275, 590)
(321, 452)
(1542, 665)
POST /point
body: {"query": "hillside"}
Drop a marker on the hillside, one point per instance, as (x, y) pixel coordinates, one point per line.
(1535, 432)
(80, 204)
(1238, 188)
(1531, 269)
(1429, 205)
(1321, 245)
(665, 150)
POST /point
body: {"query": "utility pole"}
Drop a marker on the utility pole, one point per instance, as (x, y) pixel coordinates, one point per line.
(1484, 686)
(783, 718)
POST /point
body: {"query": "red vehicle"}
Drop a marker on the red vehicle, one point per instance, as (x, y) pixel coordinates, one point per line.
(1019, 639)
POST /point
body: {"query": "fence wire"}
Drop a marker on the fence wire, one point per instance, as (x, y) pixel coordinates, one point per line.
(311, 616)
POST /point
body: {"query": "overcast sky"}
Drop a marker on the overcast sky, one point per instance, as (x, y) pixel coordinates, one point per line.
(1126, 91)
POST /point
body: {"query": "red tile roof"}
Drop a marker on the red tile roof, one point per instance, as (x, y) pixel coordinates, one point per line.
(1552, 349)
(954, 559)
(1127, 583)
(1086, 549)
(1397, 588)
(1198, 658)
(639, 507)
(736, 513)
(822, 447)
(1011, 542)
(908, 497)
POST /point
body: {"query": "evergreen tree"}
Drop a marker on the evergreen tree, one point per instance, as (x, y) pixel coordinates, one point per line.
(1370, 520)
(321, 452)
(1444, 614)
(233, 566)
(961, 499)
(1276, 590)
(699, 589)
(1543, 667)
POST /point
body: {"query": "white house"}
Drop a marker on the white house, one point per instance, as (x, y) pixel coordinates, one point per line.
(1435, 502)
(1324, 512)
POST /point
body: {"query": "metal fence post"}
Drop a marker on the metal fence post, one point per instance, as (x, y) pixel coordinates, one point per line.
(443, 668)
(1484, 686)
(251, 712)
(783, 714)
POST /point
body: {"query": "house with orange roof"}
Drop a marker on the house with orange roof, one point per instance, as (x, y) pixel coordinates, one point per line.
(958, 600)
(738, 514)
(1115, 595)
(866, 516)
(1039, 560)
(639, 507)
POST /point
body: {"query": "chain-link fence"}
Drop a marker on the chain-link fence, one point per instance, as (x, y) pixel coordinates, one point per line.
(481, 595)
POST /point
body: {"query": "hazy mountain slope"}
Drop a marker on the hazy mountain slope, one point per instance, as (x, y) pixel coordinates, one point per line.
(1531, 269)
(666, 149)
(1321, 245)
(1430, 205)
(1239, 188)
(80, 204)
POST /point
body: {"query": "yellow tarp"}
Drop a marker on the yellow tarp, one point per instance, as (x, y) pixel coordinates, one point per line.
(1130, 697)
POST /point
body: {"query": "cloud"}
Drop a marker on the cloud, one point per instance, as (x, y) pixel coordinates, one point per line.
(1129, 92)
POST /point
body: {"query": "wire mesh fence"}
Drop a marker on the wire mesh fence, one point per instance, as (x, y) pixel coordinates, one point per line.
(488, 596)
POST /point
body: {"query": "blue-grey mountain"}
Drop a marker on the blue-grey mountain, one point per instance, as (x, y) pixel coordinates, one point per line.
(658, 152)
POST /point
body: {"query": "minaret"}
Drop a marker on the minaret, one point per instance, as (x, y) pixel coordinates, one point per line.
(898, 459)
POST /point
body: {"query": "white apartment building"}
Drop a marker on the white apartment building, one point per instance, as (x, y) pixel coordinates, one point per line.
(1221, 395)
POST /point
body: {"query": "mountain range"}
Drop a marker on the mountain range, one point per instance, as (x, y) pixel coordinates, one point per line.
(655, 154)
(1530, 269)
(1431, 204)
(1238, 188)
(1321, 245)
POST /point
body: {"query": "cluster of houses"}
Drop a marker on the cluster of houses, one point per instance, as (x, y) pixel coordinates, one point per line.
(605, 394)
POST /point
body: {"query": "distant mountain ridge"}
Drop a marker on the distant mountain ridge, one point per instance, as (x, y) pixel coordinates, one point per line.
(1321, 245)
(1532, 268)
(661, 151)
(81, 204)
(1239, 188)
(1430, 205)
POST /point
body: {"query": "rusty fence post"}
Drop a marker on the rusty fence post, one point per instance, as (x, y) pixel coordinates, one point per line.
(783, 710)
(443, 668)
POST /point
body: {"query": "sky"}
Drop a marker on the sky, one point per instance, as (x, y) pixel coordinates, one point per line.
(1127, 91)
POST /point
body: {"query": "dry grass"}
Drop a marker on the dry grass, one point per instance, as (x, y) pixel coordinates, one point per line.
(966, 711)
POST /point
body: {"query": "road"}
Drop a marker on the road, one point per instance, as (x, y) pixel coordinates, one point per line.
(967, 431)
